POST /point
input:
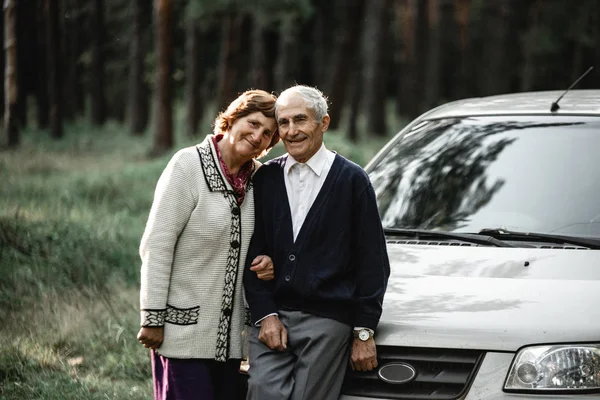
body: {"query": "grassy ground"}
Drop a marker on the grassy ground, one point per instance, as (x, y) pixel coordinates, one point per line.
(71, 216)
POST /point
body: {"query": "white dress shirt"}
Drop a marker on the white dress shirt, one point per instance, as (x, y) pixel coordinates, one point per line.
(303, 182)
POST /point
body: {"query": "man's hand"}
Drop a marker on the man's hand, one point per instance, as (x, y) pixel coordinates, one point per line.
(151, 337)
(263, 266)
(273, 333)
(364, 355)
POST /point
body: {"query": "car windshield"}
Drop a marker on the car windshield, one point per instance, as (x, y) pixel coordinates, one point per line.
(522, 173)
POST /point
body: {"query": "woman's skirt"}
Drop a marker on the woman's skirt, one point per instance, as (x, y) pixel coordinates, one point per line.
(197, 379)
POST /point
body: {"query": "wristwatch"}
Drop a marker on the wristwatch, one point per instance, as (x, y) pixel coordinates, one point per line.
(363, 334)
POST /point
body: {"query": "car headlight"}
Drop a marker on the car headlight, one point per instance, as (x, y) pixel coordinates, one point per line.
(555, 368)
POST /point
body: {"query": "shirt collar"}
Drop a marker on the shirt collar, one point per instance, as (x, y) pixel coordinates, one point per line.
(316, 162)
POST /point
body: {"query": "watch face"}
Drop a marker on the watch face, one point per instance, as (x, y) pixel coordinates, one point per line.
(363, 335)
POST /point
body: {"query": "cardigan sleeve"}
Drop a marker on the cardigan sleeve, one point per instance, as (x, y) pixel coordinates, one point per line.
(171, 209)
(259, 293)
(371, 260)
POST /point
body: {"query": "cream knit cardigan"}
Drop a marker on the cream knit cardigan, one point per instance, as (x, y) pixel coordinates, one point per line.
(193, 252)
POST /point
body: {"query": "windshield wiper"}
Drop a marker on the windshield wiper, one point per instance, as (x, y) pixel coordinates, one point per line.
(464, 237)
(541, 237)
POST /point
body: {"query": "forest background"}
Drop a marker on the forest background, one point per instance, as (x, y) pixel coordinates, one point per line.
(98, 94)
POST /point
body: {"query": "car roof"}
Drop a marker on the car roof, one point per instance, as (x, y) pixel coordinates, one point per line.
(574, 102)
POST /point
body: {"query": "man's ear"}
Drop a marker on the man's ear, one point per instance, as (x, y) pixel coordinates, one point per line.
(325, 123)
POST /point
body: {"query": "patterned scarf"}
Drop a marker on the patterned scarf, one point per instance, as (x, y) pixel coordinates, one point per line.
(239, 181)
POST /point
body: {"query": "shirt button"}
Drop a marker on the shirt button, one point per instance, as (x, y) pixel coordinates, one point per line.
(292, 257)
(287, 278)
(235, 244)
(227, 312)
(235, 211)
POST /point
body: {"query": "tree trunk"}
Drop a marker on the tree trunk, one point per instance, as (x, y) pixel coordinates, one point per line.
(138, 89)
(228, 72)
(42, 96)
(434, 56)
(259, 68)
(408, 91)
(449, 71)
(64, 37)
(163, 134)
(462, 11)
(528, 66)
(192, 83)
(585, 21)
(345, 54)
(422, 43)
(24, 14)
(355, 97)
(78, 48)
(72, 42)
(496, 62)
(287, 55)
(69, 43)
(98, 96)
(242, 59)
(54, 78)
(2, 63)
(577, 62)
(595, 77)
(414, 25)
(271, 46)
(375, 71)
(11, 126)
(322, 39)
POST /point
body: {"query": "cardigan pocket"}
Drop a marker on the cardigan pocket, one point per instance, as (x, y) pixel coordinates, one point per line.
(182, 316)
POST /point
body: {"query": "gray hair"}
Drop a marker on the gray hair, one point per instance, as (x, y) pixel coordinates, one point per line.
(313, 97)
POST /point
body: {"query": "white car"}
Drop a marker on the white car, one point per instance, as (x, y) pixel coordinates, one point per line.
(491, 208)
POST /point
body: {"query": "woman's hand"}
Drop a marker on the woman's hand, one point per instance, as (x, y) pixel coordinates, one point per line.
(151, 337)
(263, 266)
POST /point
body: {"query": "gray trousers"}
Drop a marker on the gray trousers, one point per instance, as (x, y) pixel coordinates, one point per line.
(311, 368)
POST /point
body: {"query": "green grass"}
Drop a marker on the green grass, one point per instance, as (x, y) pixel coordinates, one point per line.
(71, 216)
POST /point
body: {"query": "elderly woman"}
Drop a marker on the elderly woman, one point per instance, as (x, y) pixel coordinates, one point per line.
(193, 252)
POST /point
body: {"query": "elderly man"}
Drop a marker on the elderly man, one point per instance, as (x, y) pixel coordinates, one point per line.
(316, 216)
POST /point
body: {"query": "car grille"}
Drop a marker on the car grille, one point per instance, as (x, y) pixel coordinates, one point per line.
(441, 374)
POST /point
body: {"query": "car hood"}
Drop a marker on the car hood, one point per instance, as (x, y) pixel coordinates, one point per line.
(490, 298)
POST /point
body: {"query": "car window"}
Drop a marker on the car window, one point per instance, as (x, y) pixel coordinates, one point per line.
(524, 173)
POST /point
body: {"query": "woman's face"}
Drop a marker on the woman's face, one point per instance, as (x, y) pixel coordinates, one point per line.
(249, 136)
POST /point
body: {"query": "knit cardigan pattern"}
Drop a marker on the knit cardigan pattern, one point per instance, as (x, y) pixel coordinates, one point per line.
(193, 252)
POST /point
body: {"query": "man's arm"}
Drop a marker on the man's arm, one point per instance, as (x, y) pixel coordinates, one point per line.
(259, 293)
(371, 260)
(372, 273)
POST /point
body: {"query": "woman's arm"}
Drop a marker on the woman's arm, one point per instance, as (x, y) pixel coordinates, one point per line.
(171, 209)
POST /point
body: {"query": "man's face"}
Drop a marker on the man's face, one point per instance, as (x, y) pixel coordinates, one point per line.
(301, 133)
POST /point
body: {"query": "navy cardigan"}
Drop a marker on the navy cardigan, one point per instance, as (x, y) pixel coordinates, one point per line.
(338, 266)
